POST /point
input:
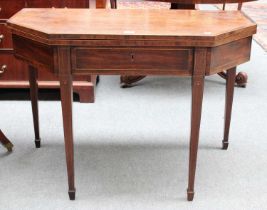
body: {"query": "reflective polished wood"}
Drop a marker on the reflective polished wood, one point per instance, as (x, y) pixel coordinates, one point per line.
(142, 40)
(11, 77)
(241, 77)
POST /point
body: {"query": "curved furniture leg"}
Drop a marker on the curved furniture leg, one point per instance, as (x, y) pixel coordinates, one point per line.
(241, 78)
(197, 96)
(5, 142)
(33, 74)
(230, 82)
(66, 104)
(128, 81)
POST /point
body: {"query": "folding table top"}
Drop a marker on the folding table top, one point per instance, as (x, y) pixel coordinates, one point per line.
(78, 24)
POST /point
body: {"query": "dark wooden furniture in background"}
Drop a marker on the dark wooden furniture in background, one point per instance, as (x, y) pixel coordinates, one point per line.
(5, 141)
(240, 79)
(144, 44)
(100, 4)
(12, 75)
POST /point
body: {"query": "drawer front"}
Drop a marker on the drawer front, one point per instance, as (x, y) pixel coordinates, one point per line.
(57, 3)
(10, 67)
(5, 36)
(77, 4)
(44, 4)
(10, 7)
(225, 56)
(13, 69)
(146, 60)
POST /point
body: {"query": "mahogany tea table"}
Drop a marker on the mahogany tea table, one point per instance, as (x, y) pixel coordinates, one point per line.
(187, 43)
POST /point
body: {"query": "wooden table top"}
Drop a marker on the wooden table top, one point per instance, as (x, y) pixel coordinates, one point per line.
(70, 24)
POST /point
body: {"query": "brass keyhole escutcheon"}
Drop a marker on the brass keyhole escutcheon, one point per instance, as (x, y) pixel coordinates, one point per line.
(132, 57)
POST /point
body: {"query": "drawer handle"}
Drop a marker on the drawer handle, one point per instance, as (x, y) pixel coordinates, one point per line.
(3, 69)
(1, 37)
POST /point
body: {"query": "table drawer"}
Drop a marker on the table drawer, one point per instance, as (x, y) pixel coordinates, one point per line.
(77, 4)
(10, 67)
(5, 36)
(149, 60)
(57, 3)
(10, 7)
(44, 4)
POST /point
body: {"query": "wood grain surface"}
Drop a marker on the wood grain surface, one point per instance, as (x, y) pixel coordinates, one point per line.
(191, 27)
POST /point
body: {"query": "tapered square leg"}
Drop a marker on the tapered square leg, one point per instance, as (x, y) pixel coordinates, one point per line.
(229, 95)
(225, 144)
(66, 103)
(197, 96)
(37, 143)
(190, 195)
(66, 93)
(33, 74)
(72, 194)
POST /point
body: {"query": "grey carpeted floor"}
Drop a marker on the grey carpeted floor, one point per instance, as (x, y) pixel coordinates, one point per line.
(131, 148)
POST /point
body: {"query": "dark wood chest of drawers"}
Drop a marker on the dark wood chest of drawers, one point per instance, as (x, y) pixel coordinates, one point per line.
(12, 73)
